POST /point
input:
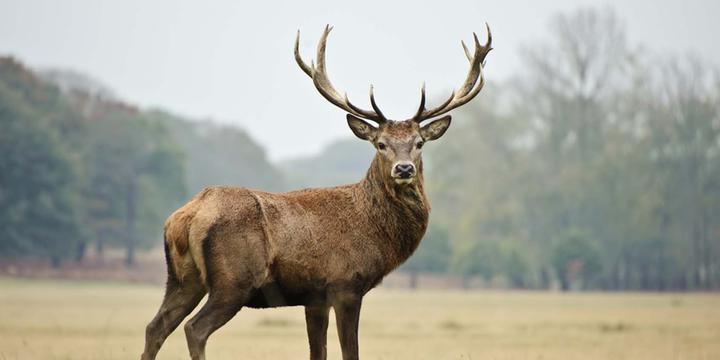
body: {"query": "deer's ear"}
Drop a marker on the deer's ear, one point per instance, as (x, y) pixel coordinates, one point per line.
(361, 128)
(435, 129)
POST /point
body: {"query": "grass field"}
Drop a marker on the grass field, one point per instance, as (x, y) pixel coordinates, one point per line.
(70, 320)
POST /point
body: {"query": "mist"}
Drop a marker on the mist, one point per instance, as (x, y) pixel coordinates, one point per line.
(230, 62)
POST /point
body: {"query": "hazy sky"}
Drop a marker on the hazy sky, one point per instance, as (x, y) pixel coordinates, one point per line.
(232, 61)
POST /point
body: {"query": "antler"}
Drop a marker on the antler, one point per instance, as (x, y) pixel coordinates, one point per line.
(325, 87)
(470, 88)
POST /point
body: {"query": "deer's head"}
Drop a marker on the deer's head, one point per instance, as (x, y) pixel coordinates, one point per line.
(398, 143)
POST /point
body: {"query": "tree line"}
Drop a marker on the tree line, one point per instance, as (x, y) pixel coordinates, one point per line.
(80, 168)
(596, 167)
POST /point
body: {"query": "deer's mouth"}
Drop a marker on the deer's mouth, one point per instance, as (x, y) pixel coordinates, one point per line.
(404, 181)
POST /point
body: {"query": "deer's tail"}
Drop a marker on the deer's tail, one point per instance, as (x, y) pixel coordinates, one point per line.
(183, 264)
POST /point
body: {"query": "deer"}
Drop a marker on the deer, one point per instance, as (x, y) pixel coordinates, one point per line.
(318, 248)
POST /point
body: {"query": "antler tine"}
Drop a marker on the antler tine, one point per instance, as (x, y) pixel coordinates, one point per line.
(318, 74)
(467, 52)
(421, 108)
(306, 69)
(488, 43)
(474, 81)
(361, 112)
(475, 69)
(374, 104)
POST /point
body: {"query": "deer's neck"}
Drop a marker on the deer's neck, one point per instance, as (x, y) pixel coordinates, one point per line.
(399, 212)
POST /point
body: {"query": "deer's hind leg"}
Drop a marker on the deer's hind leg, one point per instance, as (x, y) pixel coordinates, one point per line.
(178, 303)
(217, 311)
(234, 271)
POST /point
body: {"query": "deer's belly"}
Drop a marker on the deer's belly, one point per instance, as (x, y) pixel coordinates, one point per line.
(275, 295)
(280, 292)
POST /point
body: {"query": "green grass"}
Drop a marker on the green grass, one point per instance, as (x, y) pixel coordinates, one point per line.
(74, 320)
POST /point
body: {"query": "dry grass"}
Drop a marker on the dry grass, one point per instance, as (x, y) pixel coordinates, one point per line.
(67, 320)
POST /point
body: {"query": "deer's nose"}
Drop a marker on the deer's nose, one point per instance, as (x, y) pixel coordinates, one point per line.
(405, 171)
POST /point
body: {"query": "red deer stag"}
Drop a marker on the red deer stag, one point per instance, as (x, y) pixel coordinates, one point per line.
(318, 248)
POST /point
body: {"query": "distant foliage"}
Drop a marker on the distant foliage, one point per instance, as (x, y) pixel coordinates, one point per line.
(220, 155)
(598, 166)
(432, 255)
(38, 174)
(134, 173)
(576, 260)
(341, 162)
(79, 167)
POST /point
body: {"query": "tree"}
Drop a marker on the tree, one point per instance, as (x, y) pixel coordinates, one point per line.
(136, 174)
(575, 258)
(38, 195)
(217, 154)
(479, 259)
(514, 264)
(433, 255)
(684, 137)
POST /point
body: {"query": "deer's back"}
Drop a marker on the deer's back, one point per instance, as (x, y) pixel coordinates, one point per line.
(297, 243)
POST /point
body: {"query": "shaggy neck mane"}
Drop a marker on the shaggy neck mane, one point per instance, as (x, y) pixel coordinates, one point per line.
(400, 212)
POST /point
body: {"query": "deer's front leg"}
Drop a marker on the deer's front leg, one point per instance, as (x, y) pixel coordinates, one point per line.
(316, 318)
(347, 315)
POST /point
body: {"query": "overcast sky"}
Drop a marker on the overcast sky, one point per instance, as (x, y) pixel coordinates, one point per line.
(232, 61)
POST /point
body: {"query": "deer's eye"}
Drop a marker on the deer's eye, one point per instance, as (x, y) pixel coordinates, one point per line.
(381, 146)
(420, 145)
